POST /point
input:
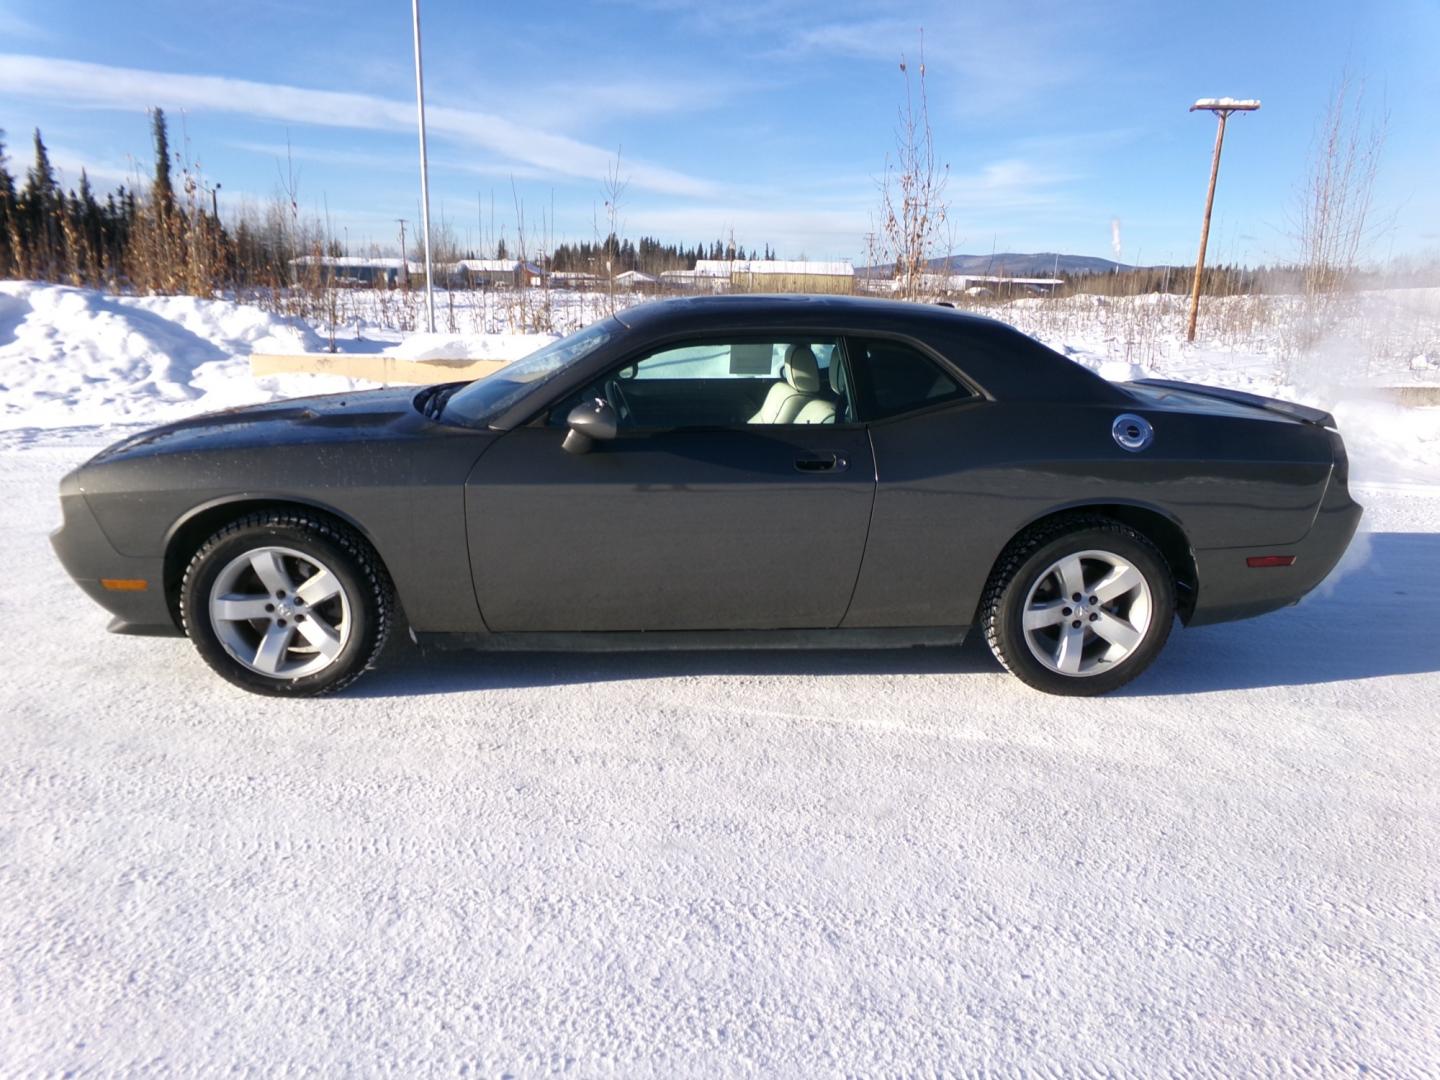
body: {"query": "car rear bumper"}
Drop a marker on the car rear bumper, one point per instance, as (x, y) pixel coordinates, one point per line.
(90, 558)
(1230, 589)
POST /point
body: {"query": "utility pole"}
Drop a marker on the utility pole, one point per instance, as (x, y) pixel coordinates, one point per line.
(1221, 107)
(424, 167)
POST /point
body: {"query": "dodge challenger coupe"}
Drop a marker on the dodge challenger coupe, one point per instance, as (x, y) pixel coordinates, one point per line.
(720, 472)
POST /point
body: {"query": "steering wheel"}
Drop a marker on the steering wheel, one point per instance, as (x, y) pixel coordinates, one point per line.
(616, 396)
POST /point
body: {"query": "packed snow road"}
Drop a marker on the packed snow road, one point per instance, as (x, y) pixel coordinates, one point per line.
(814, 863)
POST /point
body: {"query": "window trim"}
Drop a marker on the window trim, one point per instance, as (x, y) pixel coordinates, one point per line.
(772, 336)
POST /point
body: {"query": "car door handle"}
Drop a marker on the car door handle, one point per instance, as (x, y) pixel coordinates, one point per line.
(822, 463)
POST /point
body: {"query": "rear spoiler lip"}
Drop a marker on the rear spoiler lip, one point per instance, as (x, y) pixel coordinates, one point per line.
(1303, 413)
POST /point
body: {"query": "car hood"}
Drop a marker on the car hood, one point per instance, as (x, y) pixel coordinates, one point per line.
(328, 418)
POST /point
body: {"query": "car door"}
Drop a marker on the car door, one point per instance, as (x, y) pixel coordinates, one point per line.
(696, 516)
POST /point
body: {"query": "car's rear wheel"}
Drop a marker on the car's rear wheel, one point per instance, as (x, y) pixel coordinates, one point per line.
(1079, 606)
(287, 603)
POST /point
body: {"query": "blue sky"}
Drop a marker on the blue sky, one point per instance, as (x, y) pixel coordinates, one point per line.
(770, 119)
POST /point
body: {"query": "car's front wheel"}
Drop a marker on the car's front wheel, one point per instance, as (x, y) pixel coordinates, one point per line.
(287, 603)
(1079, 606)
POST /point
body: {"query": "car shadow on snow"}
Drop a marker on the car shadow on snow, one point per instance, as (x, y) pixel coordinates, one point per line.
(405, 670)
(1375, 615)
(1371, 618)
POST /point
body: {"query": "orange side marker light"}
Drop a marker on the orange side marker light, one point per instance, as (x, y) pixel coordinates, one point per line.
(124, 584)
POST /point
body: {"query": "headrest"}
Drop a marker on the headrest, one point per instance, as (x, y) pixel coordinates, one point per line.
(801, 370)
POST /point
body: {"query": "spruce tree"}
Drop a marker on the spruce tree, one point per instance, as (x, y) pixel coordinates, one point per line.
(163, 191)
(38, 208)
(9, 225)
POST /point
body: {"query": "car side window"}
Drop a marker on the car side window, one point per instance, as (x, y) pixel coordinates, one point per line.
(727, 383)
(896, 378)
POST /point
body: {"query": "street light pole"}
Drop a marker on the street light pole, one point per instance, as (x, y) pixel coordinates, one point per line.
(424, 167)
(1222, 108)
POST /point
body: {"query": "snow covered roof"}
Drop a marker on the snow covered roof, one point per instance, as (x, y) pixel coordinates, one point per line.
(962, 281)
(634, 277)
(357, 262)
(487, 266)
(726, 267)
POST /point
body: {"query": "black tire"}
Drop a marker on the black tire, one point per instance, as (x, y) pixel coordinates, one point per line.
(1022, 567)
(367, 594)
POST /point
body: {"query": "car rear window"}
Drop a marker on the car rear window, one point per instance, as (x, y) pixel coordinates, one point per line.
(897, 378)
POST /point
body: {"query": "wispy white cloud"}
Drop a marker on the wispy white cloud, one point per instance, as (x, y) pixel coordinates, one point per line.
(829, 220)
(381, 162)
(982, 62)
(102, 86)
(792, 230)
(69, 163)
(568, 104)
(14, 26)
(1006, 185)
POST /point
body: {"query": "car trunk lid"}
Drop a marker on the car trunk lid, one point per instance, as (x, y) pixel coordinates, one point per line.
(1194, 396)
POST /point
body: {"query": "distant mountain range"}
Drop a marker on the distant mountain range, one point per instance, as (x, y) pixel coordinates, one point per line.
(1013, 264)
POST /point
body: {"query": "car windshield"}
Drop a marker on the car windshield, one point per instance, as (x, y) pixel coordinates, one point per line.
(492, 395)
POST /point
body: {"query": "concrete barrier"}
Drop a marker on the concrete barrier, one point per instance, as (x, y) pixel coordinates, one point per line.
(391, 370)
(1427, 395)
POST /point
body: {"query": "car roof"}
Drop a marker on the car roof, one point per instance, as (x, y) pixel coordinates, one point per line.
(765, 310)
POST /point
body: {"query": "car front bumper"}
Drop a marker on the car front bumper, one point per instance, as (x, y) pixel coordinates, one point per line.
(90, 558)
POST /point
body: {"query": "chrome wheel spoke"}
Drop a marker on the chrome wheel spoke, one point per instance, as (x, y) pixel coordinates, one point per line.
(1119, 581)
(1072, 646)
(1116, 631)
(318, 588)
(1039, 616)
(272, 648)
(321, 635)
(270, 569)
(236, 608)
(1072, 576)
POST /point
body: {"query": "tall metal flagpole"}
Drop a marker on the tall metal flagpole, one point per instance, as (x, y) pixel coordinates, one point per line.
(424, 168)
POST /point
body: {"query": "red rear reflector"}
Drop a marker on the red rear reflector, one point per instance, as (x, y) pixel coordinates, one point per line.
(124, 584)
(1256, 562)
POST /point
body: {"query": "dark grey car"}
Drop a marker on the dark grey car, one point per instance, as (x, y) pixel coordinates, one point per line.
(725, 471)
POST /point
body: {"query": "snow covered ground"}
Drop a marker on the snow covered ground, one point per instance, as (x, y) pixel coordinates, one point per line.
(660, 865)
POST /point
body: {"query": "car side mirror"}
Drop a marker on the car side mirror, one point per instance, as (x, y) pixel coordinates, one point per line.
(589, 421)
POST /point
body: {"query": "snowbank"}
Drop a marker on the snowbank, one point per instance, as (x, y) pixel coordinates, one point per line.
(77, 357)
(81, 358)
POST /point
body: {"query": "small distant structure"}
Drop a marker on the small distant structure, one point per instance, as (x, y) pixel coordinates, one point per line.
(634, 279)
(783, 275)
(356, 270)
(981, 284)
(579, 280)
(709, 275)
(489, 273)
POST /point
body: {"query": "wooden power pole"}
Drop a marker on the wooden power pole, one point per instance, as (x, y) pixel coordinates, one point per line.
(1222, 108)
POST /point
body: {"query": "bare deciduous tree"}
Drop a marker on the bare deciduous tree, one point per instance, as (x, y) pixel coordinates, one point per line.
(912, 193)
(1335, 206)
(614, 191)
